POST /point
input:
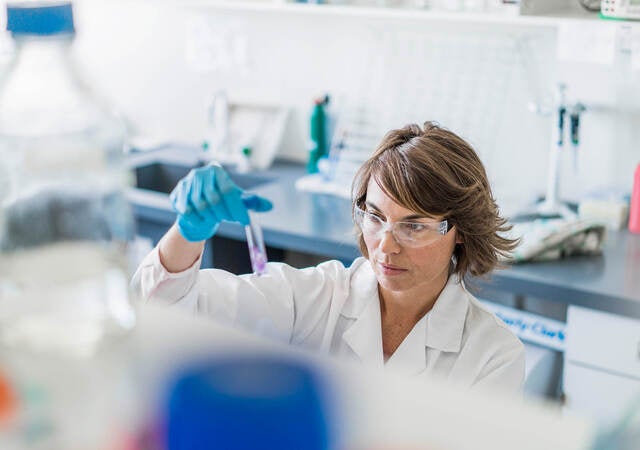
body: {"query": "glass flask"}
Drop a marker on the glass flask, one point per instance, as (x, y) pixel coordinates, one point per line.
(64, 219)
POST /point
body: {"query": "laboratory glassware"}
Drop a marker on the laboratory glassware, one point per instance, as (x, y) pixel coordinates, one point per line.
(217, 142)
(255, 242)
(64, 220)
(64, 227)
(257, 250)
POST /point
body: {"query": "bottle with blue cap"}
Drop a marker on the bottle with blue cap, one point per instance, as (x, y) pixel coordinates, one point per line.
(65, 225)
(64, 220)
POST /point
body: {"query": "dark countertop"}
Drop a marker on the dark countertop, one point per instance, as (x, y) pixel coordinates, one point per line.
(608, 282)
(321, 224)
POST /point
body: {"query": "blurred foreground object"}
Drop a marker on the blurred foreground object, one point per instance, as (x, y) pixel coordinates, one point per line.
(64, 228)
(64, 221)
(371, 409)
(248, 403)
(634, 213)
(624, 434)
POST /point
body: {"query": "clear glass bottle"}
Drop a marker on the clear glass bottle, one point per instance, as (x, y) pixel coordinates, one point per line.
(64, 229)
(64, 220)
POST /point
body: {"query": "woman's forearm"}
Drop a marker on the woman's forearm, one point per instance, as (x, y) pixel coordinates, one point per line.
(176, 253)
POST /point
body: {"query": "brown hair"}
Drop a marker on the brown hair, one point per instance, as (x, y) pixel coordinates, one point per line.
(432, 171)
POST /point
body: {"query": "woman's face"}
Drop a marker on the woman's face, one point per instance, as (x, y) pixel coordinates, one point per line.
(399, 268)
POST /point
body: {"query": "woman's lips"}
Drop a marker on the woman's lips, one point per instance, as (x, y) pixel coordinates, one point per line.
(389, 269)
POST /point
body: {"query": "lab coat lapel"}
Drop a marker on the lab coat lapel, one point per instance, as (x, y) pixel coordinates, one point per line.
(445, 322)
(364, 335)
(410, 357)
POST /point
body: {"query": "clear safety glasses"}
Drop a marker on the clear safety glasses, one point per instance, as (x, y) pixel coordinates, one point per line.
(407, 234)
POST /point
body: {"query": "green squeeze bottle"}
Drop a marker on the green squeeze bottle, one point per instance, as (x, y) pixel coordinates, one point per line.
(317, 135)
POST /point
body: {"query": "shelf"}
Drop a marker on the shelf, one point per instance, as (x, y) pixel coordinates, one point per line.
(398, 13)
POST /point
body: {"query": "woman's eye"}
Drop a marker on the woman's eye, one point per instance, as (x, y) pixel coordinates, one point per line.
(414, 227)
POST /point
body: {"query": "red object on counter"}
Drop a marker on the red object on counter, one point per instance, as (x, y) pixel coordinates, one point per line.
(634, 210)
(8, 400)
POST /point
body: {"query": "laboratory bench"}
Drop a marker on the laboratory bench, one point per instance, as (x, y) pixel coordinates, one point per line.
(320, 224)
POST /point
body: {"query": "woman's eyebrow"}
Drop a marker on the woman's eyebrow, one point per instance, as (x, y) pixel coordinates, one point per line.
(403, 219)
(371, 205)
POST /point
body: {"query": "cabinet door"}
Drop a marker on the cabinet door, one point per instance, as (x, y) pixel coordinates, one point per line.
(605, 341)
(599, 395)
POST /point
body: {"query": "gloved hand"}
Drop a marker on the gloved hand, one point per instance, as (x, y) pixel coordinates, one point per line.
(206, 197)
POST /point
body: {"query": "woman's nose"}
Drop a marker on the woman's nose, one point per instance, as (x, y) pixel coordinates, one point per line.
(388, 243)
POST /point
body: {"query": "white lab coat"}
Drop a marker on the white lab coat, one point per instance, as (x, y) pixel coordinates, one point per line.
(336, 310)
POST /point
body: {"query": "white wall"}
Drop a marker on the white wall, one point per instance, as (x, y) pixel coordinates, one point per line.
(137, 53)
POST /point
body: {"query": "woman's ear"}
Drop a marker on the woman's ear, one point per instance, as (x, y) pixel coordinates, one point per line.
(459, 239)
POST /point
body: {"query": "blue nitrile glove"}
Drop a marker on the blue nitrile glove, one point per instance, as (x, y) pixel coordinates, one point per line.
(206, 197)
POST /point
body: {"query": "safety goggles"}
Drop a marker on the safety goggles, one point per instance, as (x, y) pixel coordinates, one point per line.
(407, 234)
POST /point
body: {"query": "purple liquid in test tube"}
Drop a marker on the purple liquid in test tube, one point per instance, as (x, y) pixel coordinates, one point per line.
(257, 252)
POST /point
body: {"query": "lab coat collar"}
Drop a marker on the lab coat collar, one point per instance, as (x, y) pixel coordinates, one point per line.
(440, 329)
(445, 321)
(363, 290)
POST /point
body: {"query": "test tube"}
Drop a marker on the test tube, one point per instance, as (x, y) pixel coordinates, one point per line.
(257, 252)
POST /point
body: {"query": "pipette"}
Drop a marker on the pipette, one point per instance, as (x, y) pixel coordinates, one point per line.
(257, 251)
(577, 109)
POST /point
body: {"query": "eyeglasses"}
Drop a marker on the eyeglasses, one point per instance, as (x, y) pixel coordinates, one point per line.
(407, 234)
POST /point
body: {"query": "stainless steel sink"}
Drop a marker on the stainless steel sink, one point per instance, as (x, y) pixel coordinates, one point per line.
(162, 177)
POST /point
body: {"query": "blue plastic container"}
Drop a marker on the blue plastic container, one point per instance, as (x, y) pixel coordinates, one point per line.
(243, 403)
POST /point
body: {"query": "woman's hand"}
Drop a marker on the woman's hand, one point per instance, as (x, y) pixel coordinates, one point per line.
(206, 197)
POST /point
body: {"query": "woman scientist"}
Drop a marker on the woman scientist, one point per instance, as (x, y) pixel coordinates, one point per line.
(426, 219)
